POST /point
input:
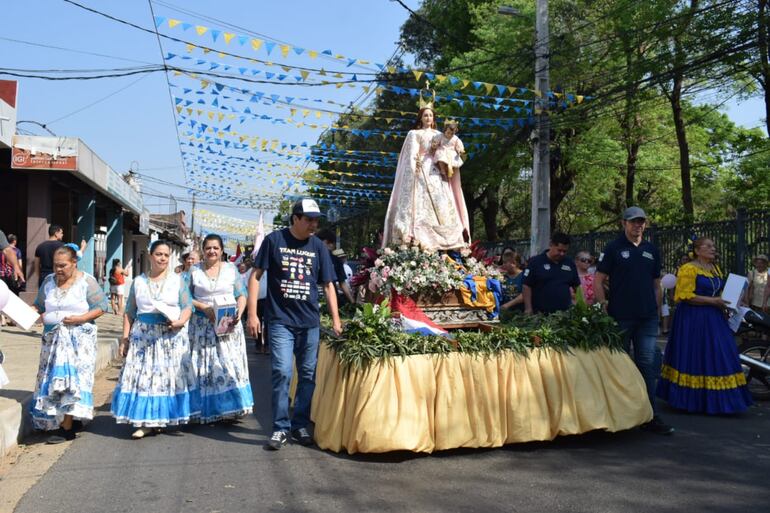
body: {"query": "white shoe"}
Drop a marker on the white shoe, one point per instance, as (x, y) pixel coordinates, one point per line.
(141, 433)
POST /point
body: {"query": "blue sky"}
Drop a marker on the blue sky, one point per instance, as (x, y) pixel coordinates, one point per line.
(135, 126)
(130, 121)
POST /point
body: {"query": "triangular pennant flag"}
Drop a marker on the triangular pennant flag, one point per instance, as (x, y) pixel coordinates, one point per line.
(284, 50)
(269, 45)
(173, 23)
(215, 34)
(256, 44)
(228, 37)
(200, 30)
(159, 20)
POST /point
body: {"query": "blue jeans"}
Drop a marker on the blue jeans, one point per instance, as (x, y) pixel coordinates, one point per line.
(642, 334)
(286, 341)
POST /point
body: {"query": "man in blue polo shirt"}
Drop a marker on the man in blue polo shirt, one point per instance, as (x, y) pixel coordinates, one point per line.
(633, 268)
(296, 261)
(549, 277)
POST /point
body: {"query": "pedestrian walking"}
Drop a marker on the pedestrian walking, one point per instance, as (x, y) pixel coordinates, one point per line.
(156, 387)
(701, 369)
(219, 361)
(69, 302)
(45, 250)
(550, 277)
(296, 262)
(117, 280)
(632, 265)
(10, 256)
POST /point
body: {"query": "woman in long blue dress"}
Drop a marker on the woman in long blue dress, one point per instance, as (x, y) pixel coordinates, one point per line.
(219, 361)
(701, 369)
(69, 301)
(156, 387)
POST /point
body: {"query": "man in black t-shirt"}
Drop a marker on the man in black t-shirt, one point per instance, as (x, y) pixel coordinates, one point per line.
(632, 265)
(296, 262)
(549, 277)
(45, 250)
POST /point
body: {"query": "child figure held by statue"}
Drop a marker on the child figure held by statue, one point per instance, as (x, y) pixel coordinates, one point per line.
(448, 149)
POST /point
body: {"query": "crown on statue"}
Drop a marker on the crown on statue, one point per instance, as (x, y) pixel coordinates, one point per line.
(431, 100)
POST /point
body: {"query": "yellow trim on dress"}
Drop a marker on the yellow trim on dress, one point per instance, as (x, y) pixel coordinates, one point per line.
(728, 382)
(685, 280)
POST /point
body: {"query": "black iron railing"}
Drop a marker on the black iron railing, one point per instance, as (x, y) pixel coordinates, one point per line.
(737, 240)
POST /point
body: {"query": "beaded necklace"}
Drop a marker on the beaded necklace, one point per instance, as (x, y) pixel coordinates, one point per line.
(213, 281)
(713, 281)
(156, 287)
(59, 293)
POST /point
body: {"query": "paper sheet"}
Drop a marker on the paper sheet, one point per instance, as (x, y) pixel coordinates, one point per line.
(736, 317)
(22, 314)
(734, 289)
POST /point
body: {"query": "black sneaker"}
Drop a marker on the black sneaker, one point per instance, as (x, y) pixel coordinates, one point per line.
(60, 436)
(658, 427)
(302, 437)
(278, 440)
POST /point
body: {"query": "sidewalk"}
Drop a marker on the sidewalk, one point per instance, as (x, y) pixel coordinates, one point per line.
(22, 353)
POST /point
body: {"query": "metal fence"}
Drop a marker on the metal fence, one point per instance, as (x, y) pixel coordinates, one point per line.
(737, 240)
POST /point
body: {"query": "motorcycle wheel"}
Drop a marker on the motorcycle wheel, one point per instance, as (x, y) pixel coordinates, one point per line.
(757, 381)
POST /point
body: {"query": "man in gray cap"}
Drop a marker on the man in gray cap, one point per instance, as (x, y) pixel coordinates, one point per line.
(296, 261)
(633, 268)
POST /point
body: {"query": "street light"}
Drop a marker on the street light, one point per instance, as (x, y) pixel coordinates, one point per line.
(541, 158)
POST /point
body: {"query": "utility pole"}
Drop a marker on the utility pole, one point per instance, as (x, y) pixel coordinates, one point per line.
(192, 220)
(541, 136)
(541, 162)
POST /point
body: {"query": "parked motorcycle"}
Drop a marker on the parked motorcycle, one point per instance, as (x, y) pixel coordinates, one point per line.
(754, 346)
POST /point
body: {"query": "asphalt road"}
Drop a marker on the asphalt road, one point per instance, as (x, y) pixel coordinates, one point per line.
(712, 464)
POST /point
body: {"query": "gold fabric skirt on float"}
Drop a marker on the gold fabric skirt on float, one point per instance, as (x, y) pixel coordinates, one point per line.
(429, 403)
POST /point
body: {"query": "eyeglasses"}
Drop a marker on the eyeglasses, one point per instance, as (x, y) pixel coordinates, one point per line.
(586, 260)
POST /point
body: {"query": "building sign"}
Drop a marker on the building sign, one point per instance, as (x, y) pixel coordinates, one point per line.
(144, 222)
(123, 192)
(31, 152)
(8, 93)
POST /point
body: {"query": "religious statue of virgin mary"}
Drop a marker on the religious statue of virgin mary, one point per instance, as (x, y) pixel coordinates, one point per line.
(425, 207)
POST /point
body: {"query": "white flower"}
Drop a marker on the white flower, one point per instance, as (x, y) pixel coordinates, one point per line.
(379, 263)
(584, 320)
(388, 251)
(465, 251)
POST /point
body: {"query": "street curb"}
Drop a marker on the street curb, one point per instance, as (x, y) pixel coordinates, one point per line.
(15, 422)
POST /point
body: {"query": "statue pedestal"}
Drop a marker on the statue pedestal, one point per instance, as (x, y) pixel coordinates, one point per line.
(449, 311)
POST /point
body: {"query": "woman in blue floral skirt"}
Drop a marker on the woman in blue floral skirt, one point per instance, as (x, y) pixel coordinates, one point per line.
(69, 301)
(701, 369)
(219, 361)
(156, 387)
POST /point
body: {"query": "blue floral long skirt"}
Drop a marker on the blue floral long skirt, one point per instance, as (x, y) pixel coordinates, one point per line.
(65, 376)
(157, 384)
(222, 371)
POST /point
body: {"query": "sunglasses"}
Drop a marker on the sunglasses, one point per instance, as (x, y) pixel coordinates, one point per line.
(586, 260)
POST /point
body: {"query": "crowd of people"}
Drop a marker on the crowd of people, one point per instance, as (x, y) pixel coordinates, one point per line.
(181, 367)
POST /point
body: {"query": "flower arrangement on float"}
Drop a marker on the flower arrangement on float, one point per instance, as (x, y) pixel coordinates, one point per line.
(414, 270)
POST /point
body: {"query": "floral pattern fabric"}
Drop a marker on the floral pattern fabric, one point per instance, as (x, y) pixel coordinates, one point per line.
(156, 387)
(65, 377)
(222, 371)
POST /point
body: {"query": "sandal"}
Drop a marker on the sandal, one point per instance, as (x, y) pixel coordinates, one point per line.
(142, 432)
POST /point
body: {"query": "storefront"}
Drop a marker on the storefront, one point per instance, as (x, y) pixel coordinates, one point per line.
(60, 180)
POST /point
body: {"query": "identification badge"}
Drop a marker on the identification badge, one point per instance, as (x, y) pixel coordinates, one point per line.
(547, 267)
(526, 272)
(601, 257)
(565, 267)
(647, 254)
(625, 254)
